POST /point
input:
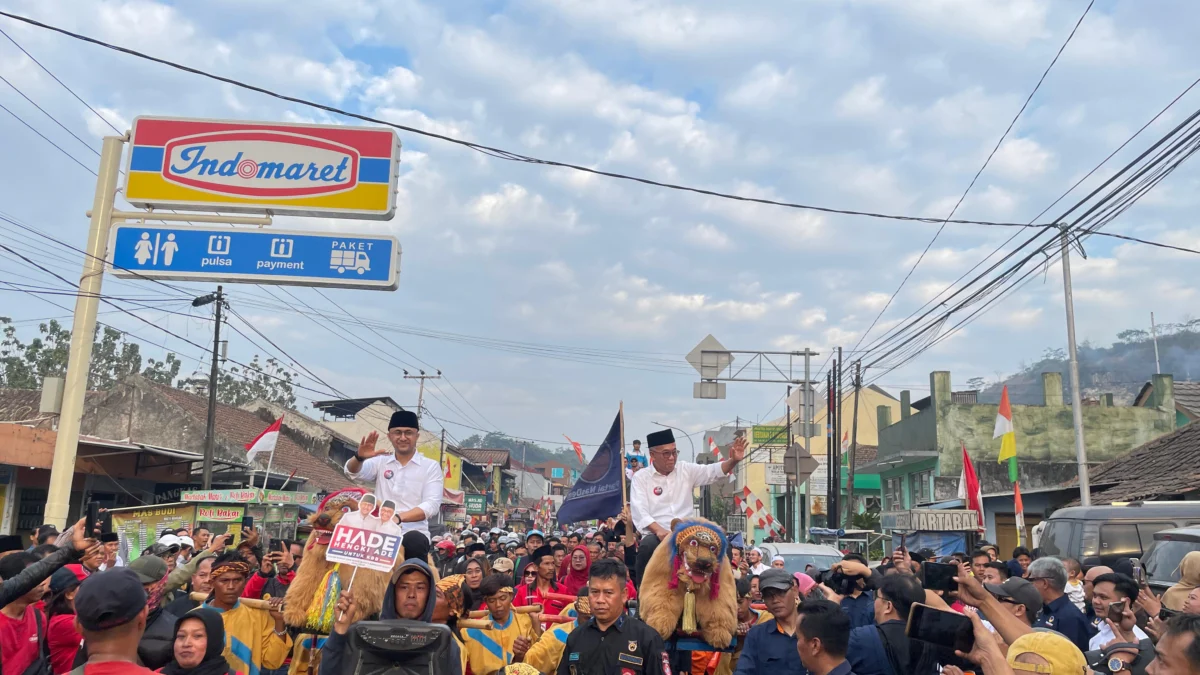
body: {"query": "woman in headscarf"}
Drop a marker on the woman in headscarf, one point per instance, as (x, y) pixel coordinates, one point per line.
(1189, 578)
(199, 645)
(573, 574)
(528, 574)
(476, 570)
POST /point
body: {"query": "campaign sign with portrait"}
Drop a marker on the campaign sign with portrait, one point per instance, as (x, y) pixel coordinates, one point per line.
(369, 537)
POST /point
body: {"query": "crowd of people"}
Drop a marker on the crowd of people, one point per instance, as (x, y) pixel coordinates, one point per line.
(566, 602)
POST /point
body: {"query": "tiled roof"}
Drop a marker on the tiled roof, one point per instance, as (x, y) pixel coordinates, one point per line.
(865, 454)
(1187, 395)
(1168, 465)
(485, 456)
(19, 405)
(241, 427)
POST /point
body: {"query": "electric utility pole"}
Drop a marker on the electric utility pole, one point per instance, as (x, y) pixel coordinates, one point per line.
(853, 445)
(1085, 489)
(421, 394)
(210, 426)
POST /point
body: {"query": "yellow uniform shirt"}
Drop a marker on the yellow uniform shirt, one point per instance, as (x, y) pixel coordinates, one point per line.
(548, 650)
(490, 649)
(251, 644)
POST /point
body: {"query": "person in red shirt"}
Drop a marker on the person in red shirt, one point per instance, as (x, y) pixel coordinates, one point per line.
(61, 636)
(20, 622)
(536, 593)
(110, 612)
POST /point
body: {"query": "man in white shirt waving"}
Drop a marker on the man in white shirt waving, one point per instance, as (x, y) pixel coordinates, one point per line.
(410, 480)
(662, 492)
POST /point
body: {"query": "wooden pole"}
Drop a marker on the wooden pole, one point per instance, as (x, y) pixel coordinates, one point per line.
(624, 487)
(853, 446)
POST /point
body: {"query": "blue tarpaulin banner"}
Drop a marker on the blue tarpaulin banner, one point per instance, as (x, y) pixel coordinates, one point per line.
(597, 494)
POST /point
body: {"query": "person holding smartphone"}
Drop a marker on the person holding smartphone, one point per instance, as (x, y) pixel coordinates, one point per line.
(1113, 596)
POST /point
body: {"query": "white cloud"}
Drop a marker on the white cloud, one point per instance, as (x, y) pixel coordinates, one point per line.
(97, 127)
(864, 99)
(707, 236)
(399, 84)
(764, 85)
(1022, 158)
(515, 207)
(873, 301)
(557, 271)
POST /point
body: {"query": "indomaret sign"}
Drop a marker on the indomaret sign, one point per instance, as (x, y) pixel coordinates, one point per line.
(300, 169)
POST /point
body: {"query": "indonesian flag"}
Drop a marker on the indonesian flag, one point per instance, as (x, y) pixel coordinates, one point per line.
(968, 487)
(1004, 429)
(266, 440)
(447, 461)
(845, 448)
(578, 449)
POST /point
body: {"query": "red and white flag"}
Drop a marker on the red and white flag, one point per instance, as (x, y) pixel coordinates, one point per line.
(266, 440)
(578, 449)
(968, 487)
(712, 447)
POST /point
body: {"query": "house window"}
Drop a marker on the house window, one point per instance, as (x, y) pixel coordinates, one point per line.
(556, 472)
(893, 494)
(920, 487)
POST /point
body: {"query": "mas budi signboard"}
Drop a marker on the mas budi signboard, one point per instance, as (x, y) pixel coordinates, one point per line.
(299, 169)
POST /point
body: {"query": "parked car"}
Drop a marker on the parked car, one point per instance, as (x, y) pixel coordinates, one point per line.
(797, 556)
(1113, 531)
(1162, 559)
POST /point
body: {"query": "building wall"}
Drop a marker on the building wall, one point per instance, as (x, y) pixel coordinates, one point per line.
(1045, 437)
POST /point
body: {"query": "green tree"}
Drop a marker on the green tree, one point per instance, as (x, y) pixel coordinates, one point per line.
(270, 381)
(24, 365)
(113, 359)
(163, 372)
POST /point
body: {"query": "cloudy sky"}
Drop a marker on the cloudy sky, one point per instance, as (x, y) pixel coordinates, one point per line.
(877, 105)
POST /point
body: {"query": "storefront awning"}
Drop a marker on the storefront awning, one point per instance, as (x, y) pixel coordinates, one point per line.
(452, 497)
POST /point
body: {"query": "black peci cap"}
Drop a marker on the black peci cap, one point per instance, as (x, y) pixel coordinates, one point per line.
(657, 438)
(404, 418)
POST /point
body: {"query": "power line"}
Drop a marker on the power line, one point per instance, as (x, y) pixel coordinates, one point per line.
(978, 173)
(498, 153)
(1126, 237)
(45, 138)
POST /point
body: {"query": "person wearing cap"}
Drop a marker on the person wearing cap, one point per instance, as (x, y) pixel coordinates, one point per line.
(1019, 597)
(508, 634)
(62, 640)
(404, 476)
(777, 562)
(110, 613)
(410, 595)
(257, 638)
(444, 557)
(503, 566)
(770, 647)
(545, 585)
(664, 494)
(156, 648)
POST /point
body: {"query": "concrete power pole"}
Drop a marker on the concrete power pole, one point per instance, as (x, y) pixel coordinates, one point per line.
(1085, 488)
(421, 393)
(853, 445)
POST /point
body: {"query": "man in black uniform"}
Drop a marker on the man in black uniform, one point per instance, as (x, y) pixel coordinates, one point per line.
(612, 643)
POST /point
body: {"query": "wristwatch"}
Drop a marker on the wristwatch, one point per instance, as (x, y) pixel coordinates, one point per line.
(1110, 662)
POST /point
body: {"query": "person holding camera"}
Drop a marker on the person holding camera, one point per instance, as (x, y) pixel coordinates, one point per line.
(851, 579)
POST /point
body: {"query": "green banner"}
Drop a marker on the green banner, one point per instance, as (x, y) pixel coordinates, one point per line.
(476, 504)
(769, 435)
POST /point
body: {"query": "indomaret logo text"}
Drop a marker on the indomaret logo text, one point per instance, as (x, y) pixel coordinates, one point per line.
(261, 163)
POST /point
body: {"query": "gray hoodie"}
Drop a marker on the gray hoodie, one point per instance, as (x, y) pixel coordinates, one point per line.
(335, 647)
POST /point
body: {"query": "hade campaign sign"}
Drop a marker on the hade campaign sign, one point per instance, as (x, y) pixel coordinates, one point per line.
(300, 169)
(368, 537)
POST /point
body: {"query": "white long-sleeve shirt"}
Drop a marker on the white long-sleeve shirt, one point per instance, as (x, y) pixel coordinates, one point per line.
(417, 484)
(655, 498)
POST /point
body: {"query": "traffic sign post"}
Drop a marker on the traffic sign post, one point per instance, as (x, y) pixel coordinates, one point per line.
(261, 256)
